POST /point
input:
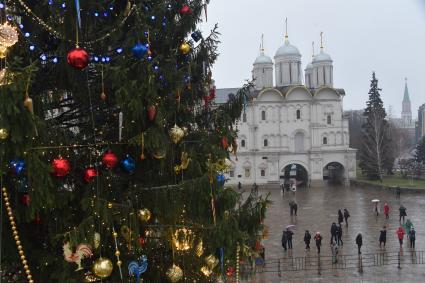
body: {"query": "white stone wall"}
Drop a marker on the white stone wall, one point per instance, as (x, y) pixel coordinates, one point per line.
(273, 136)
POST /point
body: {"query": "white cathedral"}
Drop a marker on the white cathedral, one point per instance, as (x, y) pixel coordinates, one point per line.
(290, 129)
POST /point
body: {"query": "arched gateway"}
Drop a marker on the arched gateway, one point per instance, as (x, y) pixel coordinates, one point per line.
(334, 173)
(295, 171)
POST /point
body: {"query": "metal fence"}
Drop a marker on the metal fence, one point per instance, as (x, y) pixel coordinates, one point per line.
(323, 263)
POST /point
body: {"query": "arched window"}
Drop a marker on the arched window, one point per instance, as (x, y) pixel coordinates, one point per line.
(266, 143)
(263, 173)
(244, 117)
(298, 114)
(329, 119)
(243, 143)
(325, 140)
(263, 115)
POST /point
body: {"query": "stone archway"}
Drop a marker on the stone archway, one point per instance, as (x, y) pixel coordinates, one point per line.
(334, 173)
(295, 171)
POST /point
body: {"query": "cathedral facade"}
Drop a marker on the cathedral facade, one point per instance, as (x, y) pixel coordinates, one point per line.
(290, 129)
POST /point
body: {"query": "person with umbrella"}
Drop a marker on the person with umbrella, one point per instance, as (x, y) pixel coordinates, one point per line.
(289, 235)
(307, 238)
(340, 217)
(359, 242)
(400, 235)
(403, 212)
(318, 239)
(376, 206)
(383, 236)
(346, 215)
(387, 210)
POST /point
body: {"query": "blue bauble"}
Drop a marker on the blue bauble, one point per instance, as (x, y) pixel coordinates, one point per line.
(139, 50)
(221, 178)
(129, 164)
(196, 36)
(17, 166)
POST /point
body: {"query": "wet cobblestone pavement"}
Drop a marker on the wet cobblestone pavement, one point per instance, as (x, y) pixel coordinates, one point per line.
(318, 208)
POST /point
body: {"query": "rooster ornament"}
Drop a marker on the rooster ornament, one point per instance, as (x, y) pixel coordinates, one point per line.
(82, 251)
(136, 269)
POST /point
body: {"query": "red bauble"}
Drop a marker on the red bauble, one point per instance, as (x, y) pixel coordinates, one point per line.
(37, 219)
(78, 58)
(61, 167)
(25, 199)
(141, 241)
(230, 271)
(224, 142)
(151, 112)
(110, 160)
(89, 174)
(185, 10)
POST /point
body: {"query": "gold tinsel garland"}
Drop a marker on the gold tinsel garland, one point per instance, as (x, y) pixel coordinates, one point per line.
(16, 236)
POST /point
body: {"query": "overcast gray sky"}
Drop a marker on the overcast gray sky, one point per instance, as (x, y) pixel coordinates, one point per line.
(385, 36)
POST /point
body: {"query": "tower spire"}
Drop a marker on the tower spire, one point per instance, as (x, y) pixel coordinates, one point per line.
(262, 43)
(321, 40)
(312, 46)
(406, 97)
(286, 29)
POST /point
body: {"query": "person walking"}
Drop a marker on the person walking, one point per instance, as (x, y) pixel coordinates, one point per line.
(295, 208)
(340, 217)
(307, 239)
(291, 207)
(387, 210)
(334, 249)
(284, 240)
(359, 242)
(346, 215)
(376, 208)
(318, 239)
(289, 235)
(400, 235)
(339, 235)
(383, 236)
(403, 213)
(239, 186)
(333, 232)
(412, 237)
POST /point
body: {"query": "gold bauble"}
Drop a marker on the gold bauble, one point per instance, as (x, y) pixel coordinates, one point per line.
(8, 35)
(159, 154)
(206, 271)
(3, 134)
(176, 134)
(117, 253)
(23, 257)
(110, 205)
(103, 267)
(200, 248)
(3, 51)
(183, 239)
(185, 48)
(211, 261)
(174, 273)
(119, 263)
(29, 104)
(144, 215)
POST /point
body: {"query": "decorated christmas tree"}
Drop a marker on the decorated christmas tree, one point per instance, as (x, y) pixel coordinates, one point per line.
(113, 153)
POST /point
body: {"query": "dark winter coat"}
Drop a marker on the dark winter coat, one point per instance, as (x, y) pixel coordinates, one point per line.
(340, 216)
(307, 238)
(318, 239)
(289, 234)
(412, 235)
(339, 231)
(383, 236)
(359, 240)
(402, 211)
(346, 214)
(284, 238)
(333, 229)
